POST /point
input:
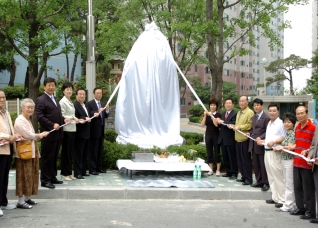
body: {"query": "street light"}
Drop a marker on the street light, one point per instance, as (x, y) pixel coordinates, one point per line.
(264, 63)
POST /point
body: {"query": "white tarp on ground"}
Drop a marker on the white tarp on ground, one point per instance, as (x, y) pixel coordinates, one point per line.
(148, 103)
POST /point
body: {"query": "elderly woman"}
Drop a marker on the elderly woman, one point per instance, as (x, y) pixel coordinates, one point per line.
(287, 161)
(68, 111)
(27, 171)
(212, 135)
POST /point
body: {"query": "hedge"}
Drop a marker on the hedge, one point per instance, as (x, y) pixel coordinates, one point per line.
(114, 151)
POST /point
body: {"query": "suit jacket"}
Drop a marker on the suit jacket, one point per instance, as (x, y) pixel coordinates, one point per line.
(226, 135)
(313, 146)
(258, 130)
(82, 130)
(97, 129)
(48, 114)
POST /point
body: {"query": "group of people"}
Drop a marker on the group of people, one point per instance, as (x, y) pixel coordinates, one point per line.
(261, 141)
(83, 132)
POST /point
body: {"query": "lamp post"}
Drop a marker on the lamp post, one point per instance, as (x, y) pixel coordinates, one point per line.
(90, 63)
(264, 63)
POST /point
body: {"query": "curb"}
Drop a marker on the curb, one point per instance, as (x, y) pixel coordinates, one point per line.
(102, 193)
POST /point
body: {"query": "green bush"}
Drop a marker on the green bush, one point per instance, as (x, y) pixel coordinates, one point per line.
(13, 92)
(110, 135)
(195, 119)
(193, 138)
(196, 110)
(17, 91)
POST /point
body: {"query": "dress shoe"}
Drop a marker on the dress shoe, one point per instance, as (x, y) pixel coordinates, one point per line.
(57, 182)
(47, 185)
(314, 220)
(257, 185)
(93, 173)
(265, 187)
(80, 177)
(246, 183)
(86, 175)
(101, 171)
(278, 205)
(307, 216)
(226, 175)
(66, 178)
(270, 201)
(297, 212)
(232, 177)
(240, 180)
(31, 202)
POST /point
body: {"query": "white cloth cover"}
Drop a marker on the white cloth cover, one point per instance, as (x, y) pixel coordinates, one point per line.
(148, 103)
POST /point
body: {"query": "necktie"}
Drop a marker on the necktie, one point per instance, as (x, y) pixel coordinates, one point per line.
(52, 97)
(257, 117)
(101, 113)
(226, 115)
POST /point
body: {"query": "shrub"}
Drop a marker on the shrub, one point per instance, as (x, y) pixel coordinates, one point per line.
(13, 92)
(195, 119)
(110, 135)
(194, 138)
(196, 110)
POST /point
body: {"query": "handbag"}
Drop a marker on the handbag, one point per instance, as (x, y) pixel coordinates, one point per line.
(25, 150)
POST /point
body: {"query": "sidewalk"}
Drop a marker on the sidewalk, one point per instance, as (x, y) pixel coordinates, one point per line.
(113, 185)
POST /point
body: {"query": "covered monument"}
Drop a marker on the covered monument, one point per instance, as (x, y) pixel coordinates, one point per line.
(148, 103)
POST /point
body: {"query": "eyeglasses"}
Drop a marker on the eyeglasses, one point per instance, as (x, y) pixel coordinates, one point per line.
(2, 98)
(29, 107)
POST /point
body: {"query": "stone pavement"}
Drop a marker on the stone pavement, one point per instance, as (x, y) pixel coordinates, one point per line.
(113, 185)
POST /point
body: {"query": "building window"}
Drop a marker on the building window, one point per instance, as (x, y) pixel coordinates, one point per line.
(251, 76)
(226, 72)
(182, 101)
(179, 47)
(242, 75)
(207, 70)
(206, 54)
(251, 87)
(195, 68)
(250, 64)
(189, 103)
(242, 62)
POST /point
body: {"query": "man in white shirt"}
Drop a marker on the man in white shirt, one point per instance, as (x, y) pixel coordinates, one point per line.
(275, 133)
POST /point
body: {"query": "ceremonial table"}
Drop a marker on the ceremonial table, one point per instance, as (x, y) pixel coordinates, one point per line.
(159, 166)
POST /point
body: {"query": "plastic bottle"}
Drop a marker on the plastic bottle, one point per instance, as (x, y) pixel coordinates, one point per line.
(195, 172)
(199, 172)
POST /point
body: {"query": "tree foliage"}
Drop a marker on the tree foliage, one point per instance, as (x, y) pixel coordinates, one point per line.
(238, 31)
(35, 29)
(293, 62)
(312, 83)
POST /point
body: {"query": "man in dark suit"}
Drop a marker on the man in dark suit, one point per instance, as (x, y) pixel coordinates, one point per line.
(95, 107)
(82, 135)
(227, 140)
(49, 115)
(259, 122)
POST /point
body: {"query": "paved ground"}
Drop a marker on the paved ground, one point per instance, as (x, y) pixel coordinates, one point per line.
(151, 213)
(190, 127)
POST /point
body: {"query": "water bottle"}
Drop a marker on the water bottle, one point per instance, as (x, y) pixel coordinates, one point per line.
(195, 172)
(199, 172)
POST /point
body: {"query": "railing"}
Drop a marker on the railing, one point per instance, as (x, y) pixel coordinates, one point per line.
(13, 106)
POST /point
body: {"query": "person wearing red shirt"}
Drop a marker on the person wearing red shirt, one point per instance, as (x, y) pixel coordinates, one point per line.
(303, 177)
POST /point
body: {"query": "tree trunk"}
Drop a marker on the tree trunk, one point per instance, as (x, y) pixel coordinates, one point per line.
(291, 84)
(13, 69)
(73, 67)
(66, 57)
(215, 61)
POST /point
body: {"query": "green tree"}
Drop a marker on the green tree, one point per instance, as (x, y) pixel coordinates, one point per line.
(238, 33)
(293, 62)
(34, 28)
(312, 83)
(182, 22)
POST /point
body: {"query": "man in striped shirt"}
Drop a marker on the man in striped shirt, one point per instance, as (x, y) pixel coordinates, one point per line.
(303, 176)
